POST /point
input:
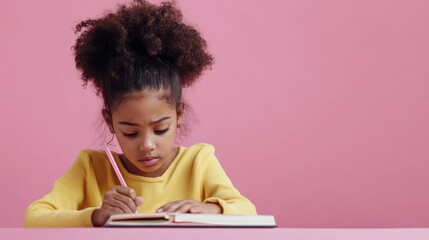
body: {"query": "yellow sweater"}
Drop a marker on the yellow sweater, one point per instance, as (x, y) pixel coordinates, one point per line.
(195, 173)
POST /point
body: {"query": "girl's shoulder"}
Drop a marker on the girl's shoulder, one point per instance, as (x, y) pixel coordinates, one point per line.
(197, 150)
(197, 147)
(91, 154)
(199, 153)
(88, 157)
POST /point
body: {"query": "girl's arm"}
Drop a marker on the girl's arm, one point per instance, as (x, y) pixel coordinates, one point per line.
(217, 187)
(63, 206)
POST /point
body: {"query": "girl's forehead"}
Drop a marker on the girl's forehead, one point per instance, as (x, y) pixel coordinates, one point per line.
(149, 93)
(144, 105)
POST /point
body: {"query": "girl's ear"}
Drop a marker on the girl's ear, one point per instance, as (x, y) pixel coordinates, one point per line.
(108, 118)
(180, 111)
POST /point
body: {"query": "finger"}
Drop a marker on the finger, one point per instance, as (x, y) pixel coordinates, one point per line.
(114, 205)
(138, 201)
(171, 207)
(113, 210)
(125, 195)
(196, 209)
(166, 206)
(125, 191)
(127, 201)
(184, 208)
(175, 206)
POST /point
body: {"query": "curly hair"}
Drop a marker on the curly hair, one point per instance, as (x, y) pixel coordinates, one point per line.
(140, 46)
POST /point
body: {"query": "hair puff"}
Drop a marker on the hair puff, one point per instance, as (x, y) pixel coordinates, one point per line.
(107, 46)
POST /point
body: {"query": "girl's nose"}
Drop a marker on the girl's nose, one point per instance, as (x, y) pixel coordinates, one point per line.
(147, 145)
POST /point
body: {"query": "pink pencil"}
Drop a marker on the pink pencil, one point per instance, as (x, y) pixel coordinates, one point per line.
(115, 167)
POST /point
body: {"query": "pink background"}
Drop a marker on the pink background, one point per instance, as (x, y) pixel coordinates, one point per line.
(318, 110)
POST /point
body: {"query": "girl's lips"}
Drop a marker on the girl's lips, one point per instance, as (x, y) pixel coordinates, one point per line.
(149, 161)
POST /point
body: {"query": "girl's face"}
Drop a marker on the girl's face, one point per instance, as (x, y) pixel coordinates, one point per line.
(145, 125)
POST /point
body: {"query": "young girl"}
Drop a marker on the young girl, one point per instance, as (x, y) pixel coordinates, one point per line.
(139, 58)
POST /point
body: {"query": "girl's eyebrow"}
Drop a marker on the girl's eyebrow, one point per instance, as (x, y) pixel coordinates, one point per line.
(136, 124)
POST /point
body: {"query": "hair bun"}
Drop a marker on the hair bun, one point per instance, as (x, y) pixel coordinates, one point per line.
(99, 47)
(109, 45)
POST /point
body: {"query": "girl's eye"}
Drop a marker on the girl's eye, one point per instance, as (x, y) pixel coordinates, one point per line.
(130, 134)
(161, 131)
(135, 134)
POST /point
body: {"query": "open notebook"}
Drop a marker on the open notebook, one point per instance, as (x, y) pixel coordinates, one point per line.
(189, 220)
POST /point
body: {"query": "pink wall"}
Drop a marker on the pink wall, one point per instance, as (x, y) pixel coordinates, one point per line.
(318, 110)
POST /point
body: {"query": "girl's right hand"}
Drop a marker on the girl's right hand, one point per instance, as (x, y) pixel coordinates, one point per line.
(118, 200)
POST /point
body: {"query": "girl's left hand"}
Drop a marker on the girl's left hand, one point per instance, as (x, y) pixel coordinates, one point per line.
(190, 206)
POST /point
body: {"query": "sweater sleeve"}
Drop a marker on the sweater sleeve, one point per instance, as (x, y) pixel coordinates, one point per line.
(64, 205)
(218, 188)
